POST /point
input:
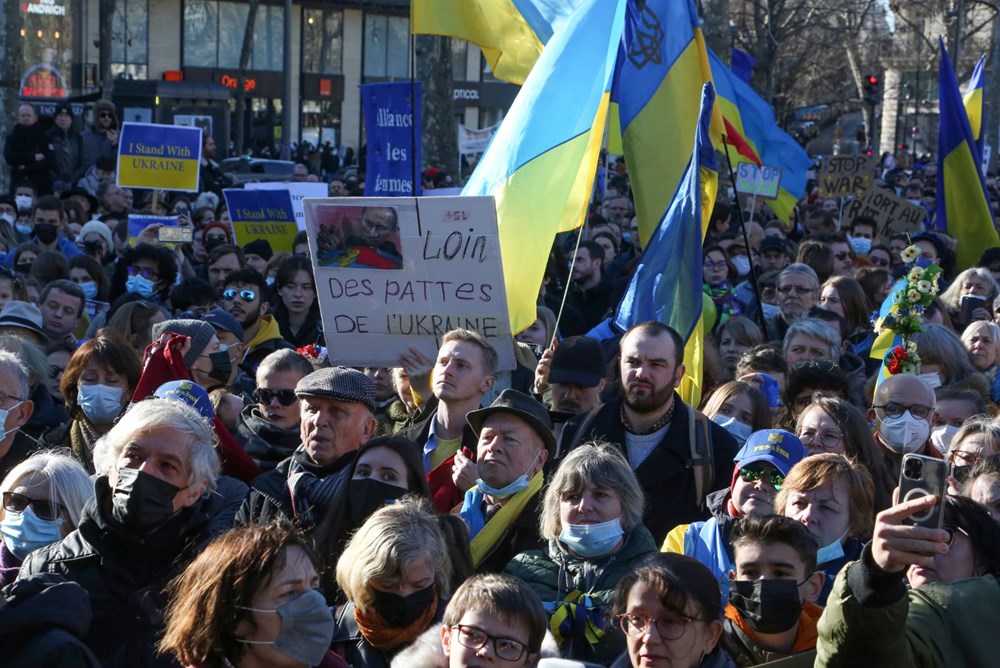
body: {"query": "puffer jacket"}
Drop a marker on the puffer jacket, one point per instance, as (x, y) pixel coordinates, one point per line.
(125, 574)
(267, 444)
(559, 577)
(872, 620)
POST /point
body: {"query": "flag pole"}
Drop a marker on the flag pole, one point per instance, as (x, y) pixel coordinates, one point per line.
(746, 240)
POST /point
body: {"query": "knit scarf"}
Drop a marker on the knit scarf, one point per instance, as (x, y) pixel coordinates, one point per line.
(486, 534)
(82, 437)
(725, 302)
(386, 638)
(312, 487)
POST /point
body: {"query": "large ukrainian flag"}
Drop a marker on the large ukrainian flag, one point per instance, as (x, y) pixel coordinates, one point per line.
(748, 113)
(511, 33)
(667, 284)
(541, 163)
(973, 102)
(962, 204)
(662, 65)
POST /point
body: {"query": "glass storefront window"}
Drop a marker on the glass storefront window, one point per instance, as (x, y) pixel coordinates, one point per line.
(459, 55)
(268, 47)
(201, 33)
(322, 41)
(47, 47)
(387, 46)
(213, 35)
(129, 37)
(231, 39)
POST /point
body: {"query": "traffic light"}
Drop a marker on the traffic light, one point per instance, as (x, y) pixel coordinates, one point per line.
(873, 89)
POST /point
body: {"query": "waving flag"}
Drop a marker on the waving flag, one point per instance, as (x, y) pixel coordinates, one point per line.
(667, 284)
(963, 208)
(511, 33)
(541, 163)
(973, 102)
(662, 66)
(746, 113)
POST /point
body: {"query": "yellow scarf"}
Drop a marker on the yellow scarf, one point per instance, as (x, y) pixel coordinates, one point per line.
(495, 528)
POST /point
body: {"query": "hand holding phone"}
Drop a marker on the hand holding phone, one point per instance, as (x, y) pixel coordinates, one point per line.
(921, 476)
(967, 305)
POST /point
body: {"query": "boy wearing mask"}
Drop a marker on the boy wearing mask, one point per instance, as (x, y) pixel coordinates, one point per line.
(772, 612)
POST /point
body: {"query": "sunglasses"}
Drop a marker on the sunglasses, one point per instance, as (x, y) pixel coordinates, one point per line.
(879, 262)
(104, 114)
(754, 472)
(245, 295)
(284, 397)
(17, 503)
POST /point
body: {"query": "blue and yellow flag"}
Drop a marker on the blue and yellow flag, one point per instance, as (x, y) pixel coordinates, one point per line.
(753, 118)
(511, 33)
(963, 208)
(541, 163)
(667, 284)
(973, 101)
(662, 66)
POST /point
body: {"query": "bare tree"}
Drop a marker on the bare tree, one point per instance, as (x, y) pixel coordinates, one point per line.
(241, 95)
(434, 71)
(106, 15)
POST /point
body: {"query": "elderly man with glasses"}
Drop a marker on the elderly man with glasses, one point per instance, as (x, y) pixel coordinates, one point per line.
(798, 291)
(904, 414)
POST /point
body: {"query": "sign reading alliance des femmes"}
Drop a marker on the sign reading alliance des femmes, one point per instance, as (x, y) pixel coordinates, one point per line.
(164, 157)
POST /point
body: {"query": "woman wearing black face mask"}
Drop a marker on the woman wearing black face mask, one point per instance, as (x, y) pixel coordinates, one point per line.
(396, 577)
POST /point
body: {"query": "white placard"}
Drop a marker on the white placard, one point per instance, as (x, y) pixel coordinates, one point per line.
(298, 190)
(384, 286)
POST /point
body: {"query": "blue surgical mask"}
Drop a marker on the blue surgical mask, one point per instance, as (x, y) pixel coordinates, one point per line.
(25, 532)
(770, 310)
(860, 245)
(519, 484)
(742, 264)
(24, 230)
(831, 552)
(89, 289)
(140, 284)
(592, 540)
(100, 403)
(739, 430)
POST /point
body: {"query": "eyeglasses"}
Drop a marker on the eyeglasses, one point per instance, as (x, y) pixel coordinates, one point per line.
(963, 458)
(712, 266)
(828, 440)
(797, 289)
(879, 262)
(245, 295)
(893, 409)
(814, 365)
(756, 471)
(4, 397)
(284, 397)
(669, 628)
(951, 530)
(16, 503)
(507, 649)
(145, 272)
(104, 114)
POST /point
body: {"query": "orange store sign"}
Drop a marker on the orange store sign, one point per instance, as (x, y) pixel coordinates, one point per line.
(228, 81)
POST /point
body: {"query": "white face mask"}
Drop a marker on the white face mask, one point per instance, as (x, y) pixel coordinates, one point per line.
(23, 202)
(834, 550)
(904, 434)
(741, 263)
(932, 378)
(942, 436)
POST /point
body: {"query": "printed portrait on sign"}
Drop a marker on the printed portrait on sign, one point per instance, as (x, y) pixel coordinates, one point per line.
(359, 237)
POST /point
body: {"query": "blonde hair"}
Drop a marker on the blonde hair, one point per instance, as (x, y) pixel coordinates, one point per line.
(817, 470)
(392, 538)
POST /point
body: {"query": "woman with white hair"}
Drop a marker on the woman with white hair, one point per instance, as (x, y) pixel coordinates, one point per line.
(592, 517)
(982, 340)
(151, 515)
(973, 282)
(43, 498)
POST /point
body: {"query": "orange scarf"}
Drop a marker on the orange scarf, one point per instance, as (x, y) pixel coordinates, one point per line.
(386, 638)
(805, 640)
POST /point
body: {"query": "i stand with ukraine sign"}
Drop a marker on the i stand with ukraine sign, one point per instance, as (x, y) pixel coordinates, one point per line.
(165, 157)
(392, 125)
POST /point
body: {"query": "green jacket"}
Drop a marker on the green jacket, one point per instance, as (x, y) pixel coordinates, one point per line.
(555, 575)
(872, 620)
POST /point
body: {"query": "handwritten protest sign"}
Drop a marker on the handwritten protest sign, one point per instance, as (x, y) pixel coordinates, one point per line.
(298, 191)
(846, 175)
(262, 214)
(388, 280)
(893, 214)
(137, 223)
(763, 182)
(165, 157)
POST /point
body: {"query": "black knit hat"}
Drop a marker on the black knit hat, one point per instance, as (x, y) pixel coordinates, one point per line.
(259, 247)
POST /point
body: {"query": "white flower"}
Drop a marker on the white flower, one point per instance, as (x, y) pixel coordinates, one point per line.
(909, 254)
(915, 275)
(924, 286)
(913, 296)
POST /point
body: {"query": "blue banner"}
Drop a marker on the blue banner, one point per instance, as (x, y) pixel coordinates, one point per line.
(392, 126)
(262, 214)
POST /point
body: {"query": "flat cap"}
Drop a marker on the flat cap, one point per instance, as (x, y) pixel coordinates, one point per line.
(340, 383)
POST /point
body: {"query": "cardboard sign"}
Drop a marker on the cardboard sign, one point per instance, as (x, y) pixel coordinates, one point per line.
(298, 191)
(262, 214)
(164, 157)
(764, 181)
(137, 223)
(893, 214)
(846, 175)
(388, 279)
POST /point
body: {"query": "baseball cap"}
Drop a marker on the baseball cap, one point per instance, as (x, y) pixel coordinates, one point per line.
(190, 393)
(578, 360)
(778, 447)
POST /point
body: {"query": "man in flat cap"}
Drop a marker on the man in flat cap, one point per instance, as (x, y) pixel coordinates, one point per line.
(515, 441)
(336, 408)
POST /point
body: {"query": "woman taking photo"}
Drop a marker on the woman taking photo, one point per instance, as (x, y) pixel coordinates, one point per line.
(297, 312)
(251, 600)
(592, 517)
(982, 340)
(396, 577)
(670, 611)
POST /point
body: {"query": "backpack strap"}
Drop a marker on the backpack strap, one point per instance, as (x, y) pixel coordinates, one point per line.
(702, 454)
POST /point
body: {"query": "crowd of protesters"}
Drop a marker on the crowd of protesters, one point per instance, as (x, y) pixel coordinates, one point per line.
(189, 478)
